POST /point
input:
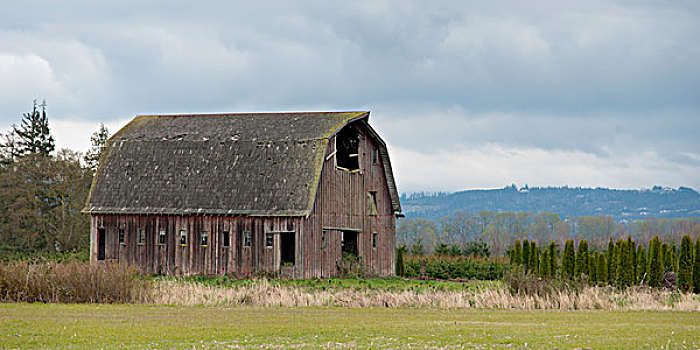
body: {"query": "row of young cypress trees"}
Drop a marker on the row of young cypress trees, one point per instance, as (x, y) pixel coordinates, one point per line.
(624, 264)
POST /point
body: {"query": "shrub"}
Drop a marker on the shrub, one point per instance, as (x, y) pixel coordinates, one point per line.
(534, 257)
(602, 271)
(544, 264)
(628, 262)
(620, 257)
(696, 268)
(400, 265)
(655, 263)
(642, 273)
(674, 258)
(521, 282)
(592, 268)
(612, 266)
(581, 261)
(518, 256)
(685, 265)
(459, 267)
(350, 266)
(71, 282)
(526, 254)
(667, 262)
(553, 261)
(568, 261)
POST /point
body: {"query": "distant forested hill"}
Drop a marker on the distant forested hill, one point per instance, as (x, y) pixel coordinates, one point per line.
(622, 205)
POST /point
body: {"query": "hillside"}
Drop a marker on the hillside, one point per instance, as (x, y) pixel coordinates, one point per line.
(622, 205)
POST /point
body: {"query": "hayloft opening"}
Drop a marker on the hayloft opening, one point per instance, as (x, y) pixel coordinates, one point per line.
(347, 149)
(287, 248)
(349, 242)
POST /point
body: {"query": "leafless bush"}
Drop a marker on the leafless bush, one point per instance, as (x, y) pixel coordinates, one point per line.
(71, 282)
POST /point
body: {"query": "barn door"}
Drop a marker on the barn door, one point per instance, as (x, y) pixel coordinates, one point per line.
(100, 244)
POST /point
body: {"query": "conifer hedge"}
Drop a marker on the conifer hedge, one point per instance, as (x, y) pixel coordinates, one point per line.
(685, 265)
(568, 261)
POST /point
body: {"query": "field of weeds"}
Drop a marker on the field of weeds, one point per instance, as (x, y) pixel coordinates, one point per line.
(414, 294)
(138, 326)
(76, 282)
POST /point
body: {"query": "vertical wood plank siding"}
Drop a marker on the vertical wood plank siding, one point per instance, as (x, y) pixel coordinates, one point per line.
(341, 201)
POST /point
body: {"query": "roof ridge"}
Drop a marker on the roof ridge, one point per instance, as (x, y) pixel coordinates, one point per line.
(227, 114)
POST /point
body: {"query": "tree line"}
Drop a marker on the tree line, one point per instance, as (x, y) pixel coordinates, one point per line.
(499, 229)
(623, 264)
(42, 191)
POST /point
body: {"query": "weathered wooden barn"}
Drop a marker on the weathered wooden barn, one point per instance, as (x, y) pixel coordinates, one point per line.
(245, 194)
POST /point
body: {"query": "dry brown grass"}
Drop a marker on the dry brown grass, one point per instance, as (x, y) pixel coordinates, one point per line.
(264, 294)
(71, 282)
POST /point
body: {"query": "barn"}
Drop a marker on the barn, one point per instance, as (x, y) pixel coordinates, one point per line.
(283, 194)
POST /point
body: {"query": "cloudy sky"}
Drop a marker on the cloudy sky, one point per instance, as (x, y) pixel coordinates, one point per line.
(467, 94)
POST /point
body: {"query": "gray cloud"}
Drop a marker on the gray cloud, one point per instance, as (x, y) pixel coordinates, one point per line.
(609, 79)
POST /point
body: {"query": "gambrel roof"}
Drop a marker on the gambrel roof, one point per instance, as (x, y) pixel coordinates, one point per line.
(221, 164)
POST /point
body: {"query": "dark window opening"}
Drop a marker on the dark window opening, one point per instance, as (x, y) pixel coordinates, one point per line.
(287, 248)
(161, 237)
(375, 155)
(226, 239)
(374, 240)
(246, 239)
(183, 237)
(101, 247)
(323, 239)
(349, 242)
(205, 238)
(372, 203)
(269, 240)
(347, 149)
(142, 236)
(121, 236)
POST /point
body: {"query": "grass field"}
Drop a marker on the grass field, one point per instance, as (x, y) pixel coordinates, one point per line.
(80, 326)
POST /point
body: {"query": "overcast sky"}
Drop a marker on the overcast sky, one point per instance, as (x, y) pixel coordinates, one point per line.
(467, 94)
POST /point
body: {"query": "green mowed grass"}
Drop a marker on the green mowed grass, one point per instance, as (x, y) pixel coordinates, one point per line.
(31, 326)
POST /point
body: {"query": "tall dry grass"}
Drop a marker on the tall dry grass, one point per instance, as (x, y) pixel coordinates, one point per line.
(71, 282)
(265, 294)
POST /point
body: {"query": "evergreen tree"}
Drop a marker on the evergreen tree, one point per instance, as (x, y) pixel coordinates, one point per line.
(98, 140)
(666, 256)
(34, 135)
(602, 272)
(612, 266)
(544, 264)
(696, 268)
(581, 262)
(9, 148)
(641, 264)
(526, 255)
(568, 261)
(685, 265)
(674, 258)
(593, 268)
(534, 257)
(553, 261)
(630, 262)
(656, 268)
(633, 260)
(620, 257)
(517, 259)
(400, 265)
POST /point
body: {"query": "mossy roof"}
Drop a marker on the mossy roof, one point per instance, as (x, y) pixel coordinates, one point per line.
(221, 164)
